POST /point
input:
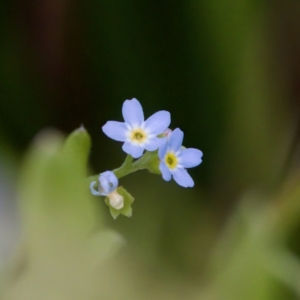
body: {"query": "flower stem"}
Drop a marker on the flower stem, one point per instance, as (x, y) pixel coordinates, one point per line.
(125, 168)
(129, 167)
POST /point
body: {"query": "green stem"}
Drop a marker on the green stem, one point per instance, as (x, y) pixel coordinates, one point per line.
(128, 166)
(125, 168)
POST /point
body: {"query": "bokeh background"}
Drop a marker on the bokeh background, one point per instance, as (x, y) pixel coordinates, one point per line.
(229, 73)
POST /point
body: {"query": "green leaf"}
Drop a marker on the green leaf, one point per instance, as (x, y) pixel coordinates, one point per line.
(64, 238)
(53, 191)
(77, 147)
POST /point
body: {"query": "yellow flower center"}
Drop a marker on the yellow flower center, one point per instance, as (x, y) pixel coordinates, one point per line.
(138, 136)
(171, 160)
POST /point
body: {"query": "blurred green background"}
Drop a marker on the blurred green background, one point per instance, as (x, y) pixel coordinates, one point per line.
(228, 71)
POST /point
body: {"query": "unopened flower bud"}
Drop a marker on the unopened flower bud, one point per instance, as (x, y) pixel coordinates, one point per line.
(167, 133)
(108, 182)
(116, 200)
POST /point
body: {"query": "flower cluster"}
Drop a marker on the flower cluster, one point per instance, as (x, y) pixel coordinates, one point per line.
(164, 154)
(139, 135)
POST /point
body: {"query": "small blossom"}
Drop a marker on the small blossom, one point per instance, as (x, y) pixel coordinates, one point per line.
(174, 159)
(108, 182)
(167, 133)
(136, 133)
(116, 200)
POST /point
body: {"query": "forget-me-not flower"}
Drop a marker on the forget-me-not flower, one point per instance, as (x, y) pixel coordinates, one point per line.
(174, 159)
(136, 133)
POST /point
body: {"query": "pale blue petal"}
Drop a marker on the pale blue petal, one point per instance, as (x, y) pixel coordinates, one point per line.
(115, 130)
(108, 182)
(176, 139)
(183, 178)
(166, 174)
(133, 112)
(154, 144)
(134, 150)
(158, 122)
(190, 157)
(163, 149)
(92, 189)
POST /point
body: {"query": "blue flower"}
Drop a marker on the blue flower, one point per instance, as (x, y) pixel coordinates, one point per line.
(174, 159)
(136, 133)
(108, 182)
